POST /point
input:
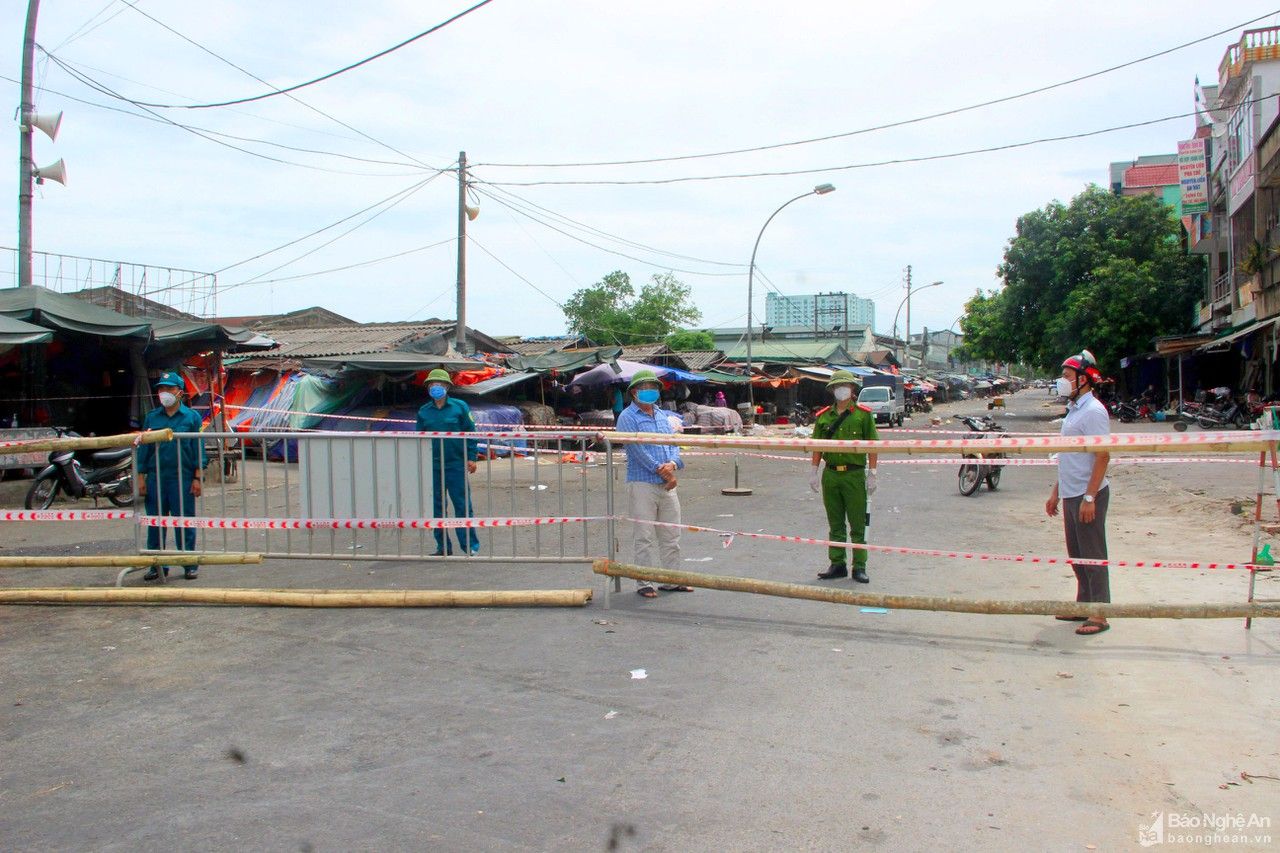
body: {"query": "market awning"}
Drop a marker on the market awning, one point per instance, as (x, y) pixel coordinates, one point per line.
(14, 332)
(492, 386)
(564, 362)
(1236, 335)
(719, 377)
(57, 311)
(182, 331)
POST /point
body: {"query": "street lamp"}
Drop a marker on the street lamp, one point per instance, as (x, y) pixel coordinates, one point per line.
(820, 189)
(907, 302)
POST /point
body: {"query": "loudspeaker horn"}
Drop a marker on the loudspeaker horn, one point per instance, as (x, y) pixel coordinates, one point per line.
(53, 172)
(48, 123)
(472, 212)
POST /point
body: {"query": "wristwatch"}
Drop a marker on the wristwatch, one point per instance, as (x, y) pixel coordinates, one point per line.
(1088, 499)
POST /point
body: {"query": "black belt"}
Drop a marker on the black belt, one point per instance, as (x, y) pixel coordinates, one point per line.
(843, 468)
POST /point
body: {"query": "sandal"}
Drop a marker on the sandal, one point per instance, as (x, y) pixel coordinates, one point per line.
(1071, 618)
(647, 592)
(1091, 627)
(675, 587)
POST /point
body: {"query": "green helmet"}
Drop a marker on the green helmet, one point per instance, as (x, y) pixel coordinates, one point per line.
(643, 376)
(841, 377)
(439, 375)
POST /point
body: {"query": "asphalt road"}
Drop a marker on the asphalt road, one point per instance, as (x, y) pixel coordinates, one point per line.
(761, 724)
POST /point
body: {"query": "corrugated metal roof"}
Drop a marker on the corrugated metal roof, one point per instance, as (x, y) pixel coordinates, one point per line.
(348, 340)
(702, 359)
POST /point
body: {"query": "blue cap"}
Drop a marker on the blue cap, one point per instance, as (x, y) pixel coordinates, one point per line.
(170, 378)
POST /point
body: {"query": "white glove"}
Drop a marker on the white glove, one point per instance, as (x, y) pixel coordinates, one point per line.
(871, 481)
(813, 478)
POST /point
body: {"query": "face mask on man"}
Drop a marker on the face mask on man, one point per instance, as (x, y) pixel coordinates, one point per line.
(842, 392)
(1065, 388)
(648, 396)
(437, 392)
(168, 398)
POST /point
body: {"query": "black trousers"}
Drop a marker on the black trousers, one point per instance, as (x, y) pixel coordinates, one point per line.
(1089, 541)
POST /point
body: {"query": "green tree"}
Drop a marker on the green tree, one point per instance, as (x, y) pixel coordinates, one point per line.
(610, 311)
(1106, 272)
(687, 340)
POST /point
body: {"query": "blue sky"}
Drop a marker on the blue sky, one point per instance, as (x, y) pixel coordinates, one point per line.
(568, 81)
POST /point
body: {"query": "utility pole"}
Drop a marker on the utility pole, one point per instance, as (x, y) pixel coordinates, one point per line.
(26, 161)
(906, 361)
(460, 333)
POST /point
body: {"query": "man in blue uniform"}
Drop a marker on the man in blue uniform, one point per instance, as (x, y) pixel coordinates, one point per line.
(448, 458)
(169, 472)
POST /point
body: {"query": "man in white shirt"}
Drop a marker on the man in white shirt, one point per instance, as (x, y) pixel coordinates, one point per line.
(1083, 488)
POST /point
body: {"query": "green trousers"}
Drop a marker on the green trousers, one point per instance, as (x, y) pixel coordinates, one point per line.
(844, 494)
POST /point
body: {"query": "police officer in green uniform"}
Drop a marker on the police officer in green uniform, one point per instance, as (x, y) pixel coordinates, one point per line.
(451, 459)
(849, 478)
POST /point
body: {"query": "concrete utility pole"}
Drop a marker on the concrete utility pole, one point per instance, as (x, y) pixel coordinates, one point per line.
(906, 362)
(460, 334)
(26, 162)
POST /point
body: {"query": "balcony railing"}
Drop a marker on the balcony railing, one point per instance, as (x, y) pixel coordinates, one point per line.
(1254, 46)
(1221, 288)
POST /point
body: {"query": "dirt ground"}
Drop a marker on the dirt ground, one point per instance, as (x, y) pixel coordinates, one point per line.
(759, 724)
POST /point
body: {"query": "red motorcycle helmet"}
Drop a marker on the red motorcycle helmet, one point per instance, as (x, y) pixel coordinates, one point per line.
(1084, 362)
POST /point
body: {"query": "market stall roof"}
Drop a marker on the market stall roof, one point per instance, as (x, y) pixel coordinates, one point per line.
(790, 352)
(492, 386)
(563, 361)
(391, 362)
(60, 312)
(173, 331)
(719, 377)
(624, 371)
(14, 332)
(1238, 333)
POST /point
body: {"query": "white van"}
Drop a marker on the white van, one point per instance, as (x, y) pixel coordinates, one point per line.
(887, 406)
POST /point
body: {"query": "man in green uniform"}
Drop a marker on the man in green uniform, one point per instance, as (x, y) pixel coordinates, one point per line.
(451, 459)
(849, 477)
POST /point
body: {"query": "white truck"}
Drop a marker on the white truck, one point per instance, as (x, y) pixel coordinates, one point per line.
(885, 396)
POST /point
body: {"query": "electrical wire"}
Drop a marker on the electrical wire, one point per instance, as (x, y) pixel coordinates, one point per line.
(81, 31)
(851, 166)
(496, 200)
(132, 4)
(902, 123)
(367, 263)
(329, 76)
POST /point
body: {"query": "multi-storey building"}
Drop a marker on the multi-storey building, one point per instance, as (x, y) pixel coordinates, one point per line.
(820, 311)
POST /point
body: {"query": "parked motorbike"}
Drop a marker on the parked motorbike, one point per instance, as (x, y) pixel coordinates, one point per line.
(108, 474)
(801, 415)
(972, 474)
(1224, 410)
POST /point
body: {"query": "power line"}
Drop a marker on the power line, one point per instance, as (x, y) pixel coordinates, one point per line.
(81, 31)
(874, 128)
(329, 76)
(851, 166)
(133, 5)
(367, 263)
(605, 249)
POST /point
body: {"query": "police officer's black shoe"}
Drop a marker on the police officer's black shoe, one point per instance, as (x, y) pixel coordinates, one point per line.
(860, 575)
(191, 573)
(837, 570)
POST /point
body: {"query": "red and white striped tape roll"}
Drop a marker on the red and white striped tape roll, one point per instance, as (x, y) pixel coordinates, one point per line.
(730, 535)
(65, 514)
(197, 523)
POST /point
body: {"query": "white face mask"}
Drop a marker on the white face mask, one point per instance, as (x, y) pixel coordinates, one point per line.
(1064, 387)
(168, 398)
(842, 392)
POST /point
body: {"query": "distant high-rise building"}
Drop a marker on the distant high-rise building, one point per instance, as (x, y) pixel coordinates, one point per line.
(819, 310)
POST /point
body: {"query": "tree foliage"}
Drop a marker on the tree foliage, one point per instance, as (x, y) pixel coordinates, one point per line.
(1106, 273)
(611, 311)
(688, 340)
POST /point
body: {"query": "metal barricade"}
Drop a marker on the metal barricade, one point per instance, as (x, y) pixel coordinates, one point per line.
(534, 498)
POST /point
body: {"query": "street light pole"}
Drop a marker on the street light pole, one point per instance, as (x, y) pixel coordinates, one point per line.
(820, 189)
(907, 302)
(26, 162)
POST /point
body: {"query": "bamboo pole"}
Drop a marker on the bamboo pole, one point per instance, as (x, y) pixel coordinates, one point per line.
(935, 603)
(1008, 444)
(299, 597)
(171, 559)
(93, 442)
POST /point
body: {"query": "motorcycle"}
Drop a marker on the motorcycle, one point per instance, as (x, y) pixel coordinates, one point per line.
(972, 474)
(801, 415)
(109, 475)
(1225, 410)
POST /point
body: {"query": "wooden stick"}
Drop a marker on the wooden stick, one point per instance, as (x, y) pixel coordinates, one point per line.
(174, 559)
(94, 442)
(1028, 447)
(299, 597)
(951, 605)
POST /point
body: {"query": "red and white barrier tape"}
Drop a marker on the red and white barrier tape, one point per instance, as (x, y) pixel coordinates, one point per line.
(354, 523)
(370, 419)
(960, 460)
(65, 514)
(729, 535)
